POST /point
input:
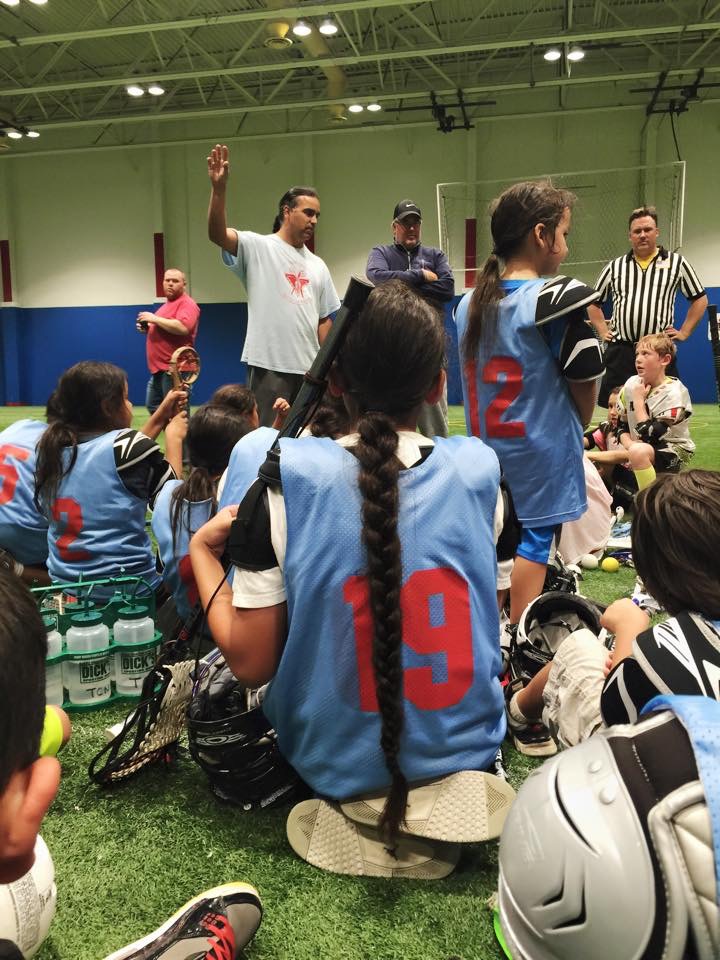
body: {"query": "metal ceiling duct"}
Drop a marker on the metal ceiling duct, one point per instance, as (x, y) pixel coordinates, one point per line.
(316, 47)
(277, 35)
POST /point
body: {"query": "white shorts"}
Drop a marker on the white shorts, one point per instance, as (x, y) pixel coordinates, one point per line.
(574, 685)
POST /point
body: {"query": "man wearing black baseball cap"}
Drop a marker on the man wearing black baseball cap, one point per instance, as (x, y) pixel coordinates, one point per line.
(428, 272)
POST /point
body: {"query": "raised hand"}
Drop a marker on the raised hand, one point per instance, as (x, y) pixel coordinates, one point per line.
(219, 165)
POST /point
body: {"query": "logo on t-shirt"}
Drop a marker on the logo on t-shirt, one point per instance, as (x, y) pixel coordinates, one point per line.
(298, 281)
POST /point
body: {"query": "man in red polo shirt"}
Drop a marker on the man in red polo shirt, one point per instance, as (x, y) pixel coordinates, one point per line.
(173, 325)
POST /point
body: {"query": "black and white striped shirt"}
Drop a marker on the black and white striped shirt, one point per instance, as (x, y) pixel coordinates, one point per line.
(644, 300)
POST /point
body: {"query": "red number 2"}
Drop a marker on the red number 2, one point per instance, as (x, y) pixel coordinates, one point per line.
(510, 371)
(8, 472)
(187, 578)
(440, 591)
(73, 528)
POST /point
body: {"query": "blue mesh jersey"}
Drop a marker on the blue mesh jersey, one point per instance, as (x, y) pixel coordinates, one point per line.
(177, 571)
(322, 700)
(247, 456)
(516, 398)
(97, 527)
(23, 529)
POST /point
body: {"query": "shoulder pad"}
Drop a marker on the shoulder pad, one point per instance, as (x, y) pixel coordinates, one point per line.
(249, 544)
(562, 295)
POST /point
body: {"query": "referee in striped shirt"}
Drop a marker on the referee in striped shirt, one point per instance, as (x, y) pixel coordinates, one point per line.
(643, 284)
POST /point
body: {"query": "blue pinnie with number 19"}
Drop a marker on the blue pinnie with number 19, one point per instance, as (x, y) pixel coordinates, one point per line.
(376, 624)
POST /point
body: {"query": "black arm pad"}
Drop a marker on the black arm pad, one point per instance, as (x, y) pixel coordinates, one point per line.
(250, 542)
(511, 532)
(651, 431)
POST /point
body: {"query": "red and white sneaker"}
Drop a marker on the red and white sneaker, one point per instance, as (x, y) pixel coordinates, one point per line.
(215, 925)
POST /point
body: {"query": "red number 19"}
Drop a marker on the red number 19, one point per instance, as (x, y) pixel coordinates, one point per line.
(452, 637)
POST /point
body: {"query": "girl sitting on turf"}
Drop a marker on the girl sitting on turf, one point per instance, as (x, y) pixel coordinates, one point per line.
(95, 476)
(676, 543)
(23, 528)
(183, 506)
(377, 623)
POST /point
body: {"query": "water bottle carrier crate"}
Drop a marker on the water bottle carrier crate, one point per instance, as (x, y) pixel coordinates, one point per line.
(65, 600)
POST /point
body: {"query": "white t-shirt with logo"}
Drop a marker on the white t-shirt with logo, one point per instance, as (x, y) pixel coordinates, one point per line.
(289, 290)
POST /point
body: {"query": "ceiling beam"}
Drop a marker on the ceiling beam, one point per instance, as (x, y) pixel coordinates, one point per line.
(293, 11)
(579, 36)
(305, 104)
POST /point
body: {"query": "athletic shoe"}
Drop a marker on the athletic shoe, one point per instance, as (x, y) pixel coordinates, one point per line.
(497, 767)
(465, 807)
(215, 925)
(320, 833)
(531, 738)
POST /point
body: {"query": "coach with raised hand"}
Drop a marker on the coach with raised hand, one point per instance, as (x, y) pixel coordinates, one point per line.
(643, 284)
(289, 290)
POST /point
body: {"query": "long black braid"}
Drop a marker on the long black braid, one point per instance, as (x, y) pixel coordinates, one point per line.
(390, 361)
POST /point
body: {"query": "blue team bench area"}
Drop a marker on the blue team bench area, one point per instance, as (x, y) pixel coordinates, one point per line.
(37, 344)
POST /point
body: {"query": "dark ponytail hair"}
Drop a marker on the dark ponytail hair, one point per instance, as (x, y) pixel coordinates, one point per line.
(389, 362)
(513, 215)
(331, 418)
(290, 199)
(85, 401)
(213, 431)
(236, 396)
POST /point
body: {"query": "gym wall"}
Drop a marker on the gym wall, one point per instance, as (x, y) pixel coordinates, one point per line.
(80, 226)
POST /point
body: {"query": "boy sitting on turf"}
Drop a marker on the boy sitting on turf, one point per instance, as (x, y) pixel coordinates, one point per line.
(676, 542)
(653, 410)
(605, 451)
(220, 921)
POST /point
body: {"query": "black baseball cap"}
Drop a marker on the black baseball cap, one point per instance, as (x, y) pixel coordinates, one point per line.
(406, 208)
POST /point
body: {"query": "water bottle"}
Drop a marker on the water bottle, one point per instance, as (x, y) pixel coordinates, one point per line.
(87, 672)
(53, 671)
(134, 661)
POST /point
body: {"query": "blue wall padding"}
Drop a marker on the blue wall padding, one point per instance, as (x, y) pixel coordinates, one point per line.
(37, 344)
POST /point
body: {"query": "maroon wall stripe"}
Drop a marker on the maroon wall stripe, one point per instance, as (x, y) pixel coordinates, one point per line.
(5, 271)
(159, 245)
(470, 251)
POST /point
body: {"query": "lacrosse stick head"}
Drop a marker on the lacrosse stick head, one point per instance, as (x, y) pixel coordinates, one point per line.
(184, 367)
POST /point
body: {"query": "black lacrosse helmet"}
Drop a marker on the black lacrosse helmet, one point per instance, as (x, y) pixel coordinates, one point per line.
(236, 746)
(560, 576)
(546, 622)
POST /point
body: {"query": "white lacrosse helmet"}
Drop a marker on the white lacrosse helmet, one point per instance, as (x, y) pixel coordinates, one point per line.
(608, 852)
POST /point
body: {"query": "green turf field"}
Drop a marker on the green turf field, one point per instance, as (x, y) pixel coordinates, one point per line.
(126, 858)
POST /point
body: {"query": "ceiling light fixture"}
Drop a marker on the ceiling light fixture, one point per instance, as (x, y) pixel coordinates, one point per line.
(356, 108)
(552, 54)
(14, 134)
(328, 27)
(155, 90)
(134, 90)
(302, 29)
(575, 54)
(374, 107)
(33, 134)
(11, 3)
(39, 3)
